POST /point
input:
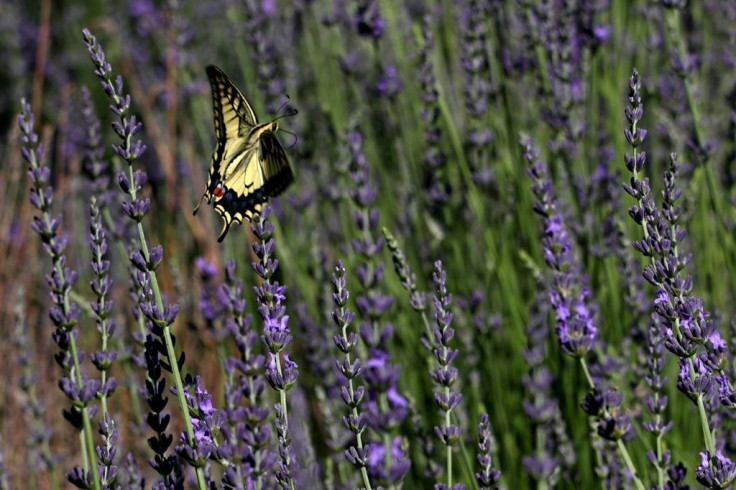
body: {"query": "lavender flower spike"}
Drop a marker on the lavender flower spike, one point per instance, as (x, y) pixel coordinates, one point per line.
(66, 313)
(146, 259)
(488, 476)
(569, 297)
(445, 374)
(246, 430)
(277, 336)
(353, 394)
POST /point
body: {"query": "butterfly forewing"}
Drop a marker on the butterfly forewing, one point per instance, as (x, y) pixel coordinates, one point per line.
(248, 165)
(233, 114)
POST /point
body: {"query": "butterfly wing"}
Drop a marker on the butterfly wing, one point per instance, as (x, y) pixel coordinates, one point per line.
(277, 173)
(233, 114)
(263, 172)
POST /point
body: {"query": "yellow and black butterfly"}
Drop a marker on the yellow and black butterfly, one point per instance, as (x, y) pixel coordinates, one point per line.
(248, 165)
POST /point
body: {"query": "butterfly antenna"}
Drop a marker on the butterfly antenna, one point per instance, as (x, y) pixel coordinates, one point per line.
(296, 139)
(293, 112)
(286, 102)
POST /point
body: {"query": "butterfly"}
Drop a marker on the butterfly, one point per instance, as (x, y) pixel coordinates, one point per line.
(249, 164)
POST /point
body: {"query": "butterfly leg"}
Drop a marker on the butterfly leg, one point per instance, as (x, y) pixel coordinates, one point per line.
(200, 203)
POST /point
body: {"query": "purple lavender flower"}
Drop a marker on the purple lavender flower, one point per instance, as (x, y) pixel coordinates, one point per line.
(715, 471)
(368, 21)
(574, 309)
(445, 374)
(160, 316)
(689, 333)
(94, 164)
(163, 462)
(132, 473)
(385, 407)
(246, 430)
(210, 303)
(352, 393)
(276, 336)
(656, 400)
(103, 358)
(389, 83)
(438, 189)
(569, 296)
(488, 476)
(478, 87)
(265, 53)
(101, 286)
(40, 454)
(107, 451)
(66, 313)
(206, 421)
(547, 460)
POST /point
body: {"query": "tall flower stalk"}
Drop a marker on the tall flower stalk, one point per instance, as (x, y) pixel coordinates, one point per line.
(574, 314)
(160, 315)
(66, 313)
(386, 408)
(352, 393)
(247, 432)
(445, 374)
(689, 333)
(276, 336)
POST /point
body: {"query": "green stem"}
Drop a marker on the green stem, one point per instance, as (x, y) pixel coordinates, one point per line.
(619, 443)
(89, 444)
(166, 331)
(629, 464)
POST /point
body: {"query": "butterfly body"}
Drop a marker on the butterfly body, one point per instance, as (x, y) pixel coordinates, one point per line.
(248, 164)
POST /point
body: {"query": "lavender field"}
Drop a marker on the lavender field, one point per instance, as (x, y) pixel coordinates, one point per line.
(506, 260)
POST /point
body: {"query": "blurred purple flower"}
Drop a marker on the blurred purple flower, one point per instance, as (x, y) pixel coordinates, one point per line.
(569, 296)
(246, 430)
(389, 82)
(488, 476)
(385, 407)
(548, 460)
(438, 187)
(39, 436)
(368, 21)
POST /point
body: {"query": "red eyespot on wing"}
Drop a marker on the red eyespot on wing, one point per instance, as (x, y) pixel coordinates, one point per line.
(219, 191)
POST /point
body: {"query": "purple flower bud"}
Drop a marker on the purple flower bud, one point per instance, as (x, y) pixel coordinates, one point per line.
(137, 209)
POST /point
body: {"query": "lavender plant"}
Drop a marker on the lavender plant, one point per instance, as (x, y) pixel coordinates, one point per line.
(410, 112)
(65, 313)
(246, 431)
(574, 315)
(688, 332)
(159, 315)
(276, 336)
(352, 394)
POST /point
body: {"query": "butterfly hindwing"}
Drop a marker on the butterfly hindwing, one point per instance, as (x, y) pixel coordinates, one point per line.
(277, 173)
(244, 194)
